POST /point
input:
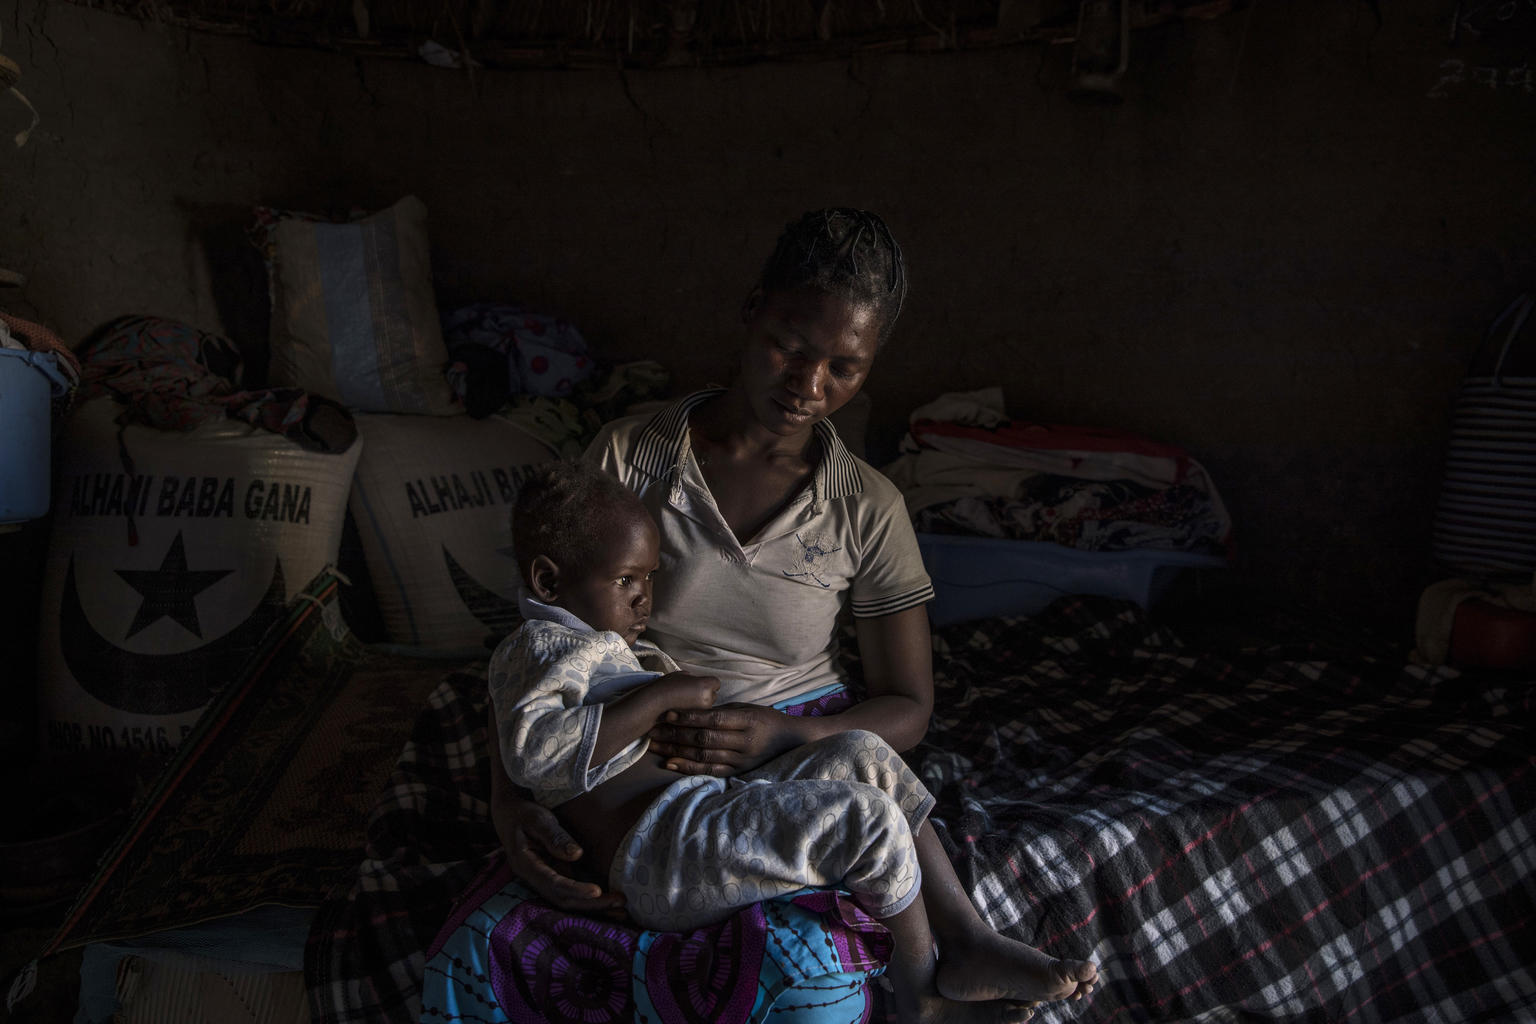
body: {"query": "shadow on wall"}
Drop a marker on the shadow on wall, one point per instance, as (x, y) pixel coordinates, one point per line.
(237, 281)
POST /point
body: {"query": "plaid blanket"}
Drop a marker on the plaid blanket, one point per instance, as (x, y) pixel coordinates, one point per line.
(1240, 837)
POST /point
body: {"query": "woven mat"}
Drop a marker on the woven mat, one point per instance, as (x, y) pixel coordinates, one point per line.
(267, 800)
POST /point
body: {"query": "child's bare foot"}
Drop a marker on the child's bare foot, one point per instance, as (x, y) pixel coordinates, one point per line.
(995, 967)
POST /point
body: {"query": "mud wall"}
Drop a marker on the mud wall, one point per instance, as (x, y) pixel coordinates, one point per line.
(1278, 251)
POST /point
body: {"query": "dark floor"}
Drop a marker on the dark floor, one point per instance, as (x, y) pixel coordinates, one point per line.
(61, 817)
(58, 978)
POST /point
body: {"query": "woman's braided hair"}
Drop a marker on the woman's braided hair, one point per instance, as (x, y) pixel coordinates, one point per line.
(842, 251)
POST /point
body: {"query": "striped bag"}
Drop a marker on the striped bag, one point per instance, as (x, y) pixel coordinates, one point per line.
(1485, 525)
(354, 315)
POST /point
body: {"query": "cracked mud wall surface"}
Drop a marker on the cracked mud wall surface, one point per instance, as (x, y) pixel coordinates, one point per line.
(1279, 251)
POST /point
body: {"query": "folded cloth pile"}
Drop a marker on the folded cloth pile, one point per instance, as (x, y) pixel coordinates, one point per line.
(966, 468)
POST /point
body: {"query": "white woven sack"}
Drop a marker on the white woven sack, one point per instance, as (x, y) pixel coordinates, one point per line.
(158, 585)
(432, 501)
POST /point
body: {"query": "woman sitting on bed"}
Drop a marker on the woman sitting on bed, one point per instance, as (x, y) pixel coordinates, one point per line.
(770, 529)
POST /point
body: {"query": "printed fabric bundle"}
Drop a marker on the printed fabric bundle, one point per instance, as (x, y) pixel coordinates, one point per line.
(174, 376)
(497, 350)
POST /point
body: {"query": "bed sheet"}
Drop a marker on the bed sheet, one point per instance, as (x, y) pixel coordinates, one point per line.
(1243, 838)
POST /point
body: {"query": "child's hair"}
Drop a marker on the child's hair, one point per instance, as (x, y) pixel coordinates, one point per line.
(561, 508)
(842, 251)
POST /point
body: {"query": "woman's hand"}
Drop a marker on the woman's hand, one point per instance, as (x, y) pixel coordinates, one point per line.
(724, 740)
(539, 851)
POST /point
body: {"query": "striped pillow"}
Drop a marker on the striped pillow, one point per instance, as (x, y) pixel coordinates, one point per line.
(353, 313)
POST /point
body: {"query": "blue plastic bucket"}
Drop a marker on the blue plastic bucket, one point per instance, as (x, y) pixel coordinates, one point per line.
(28, 383)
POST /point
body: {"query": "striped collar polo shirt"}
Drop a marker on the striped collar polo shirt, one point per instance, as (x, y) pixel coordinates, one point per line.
(763, 616)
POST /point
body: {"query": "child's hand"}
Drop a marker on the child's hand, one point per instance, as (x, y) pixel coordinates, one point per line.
(679, 691)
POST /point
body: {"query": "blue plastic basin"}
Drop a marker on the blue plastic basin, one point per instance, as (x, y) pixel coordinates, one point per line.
(28, 382)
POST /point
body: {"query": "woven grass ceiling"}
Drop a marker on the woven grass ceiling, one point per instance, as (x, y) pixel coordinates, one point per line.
(646, 33)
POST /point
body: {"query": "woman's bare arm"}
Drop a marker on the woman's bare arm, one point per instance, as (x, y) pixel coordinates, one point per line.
(897, 651)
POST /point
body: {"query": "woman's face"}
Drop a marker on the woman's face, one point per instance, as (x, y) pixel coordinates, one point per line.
(807, 354)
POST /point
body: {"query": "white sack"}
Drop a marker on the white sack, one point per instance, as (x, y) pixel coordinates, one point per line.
(160, 582)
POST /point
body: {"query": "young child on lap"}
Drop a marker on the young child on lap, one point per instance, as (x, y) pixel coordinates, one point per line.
(575, 692)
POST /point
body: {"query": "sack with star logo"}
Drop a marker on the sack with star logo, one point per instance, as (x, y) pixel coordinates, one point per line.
(172, 553)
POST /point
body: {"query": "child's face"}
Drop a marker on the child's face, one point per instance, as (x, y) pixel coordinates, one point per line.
(613, 591)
